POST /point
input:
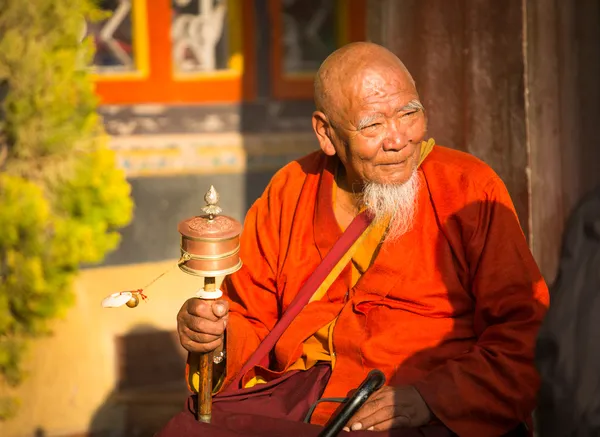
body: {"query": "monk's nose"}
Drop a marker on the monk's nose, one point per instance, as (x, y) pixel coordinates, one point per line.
(396, 139)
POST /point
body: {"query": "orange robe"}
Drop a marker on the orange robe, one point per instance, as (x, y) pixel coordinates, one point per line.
(319, 347)
(452, 307)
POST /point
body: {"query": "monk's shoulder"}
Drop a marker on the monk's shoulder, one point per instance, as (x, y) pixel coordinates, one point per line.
(287, 183)
(465, 190)
(459, 171)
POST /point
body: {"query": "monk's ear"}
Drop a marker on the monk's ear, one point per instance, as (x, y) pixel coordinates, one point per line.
(323, 130)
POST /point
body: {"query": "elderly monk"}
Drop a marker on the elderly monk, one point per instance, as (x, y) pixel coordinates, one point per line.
(442, 295)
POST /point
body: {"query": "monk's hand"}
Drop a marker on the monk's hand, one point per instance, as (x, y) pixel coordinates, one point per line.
(201, 324)
(391, 407)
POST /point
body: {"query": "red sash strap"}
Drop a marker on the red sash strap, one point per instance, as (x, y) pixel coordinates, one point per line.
(261, 355)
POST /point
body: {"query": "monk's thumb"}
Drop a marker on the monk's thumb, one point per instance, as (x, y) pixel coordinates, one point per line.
(220, 309)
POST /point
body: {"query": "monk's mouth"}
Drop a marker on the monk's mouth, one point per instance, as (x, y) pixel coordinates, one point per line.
(393, 164)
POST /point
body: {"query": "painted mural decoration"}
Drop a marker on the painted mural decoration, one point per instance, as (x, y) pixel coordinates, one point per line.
(114, 37)
(199, 35)
(309, 34)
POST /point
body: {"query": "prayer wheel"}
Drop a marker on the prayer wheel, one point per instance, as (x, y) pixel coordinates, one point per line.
(210, 247)
(210, 243)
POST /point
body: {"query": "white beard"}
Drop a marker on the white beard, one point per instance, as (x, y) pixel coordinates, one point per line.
(396, 201)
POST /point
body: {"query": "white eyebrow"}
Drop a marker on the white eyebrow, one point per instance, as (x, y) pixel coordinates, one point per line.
(367, 121)
(413, 105)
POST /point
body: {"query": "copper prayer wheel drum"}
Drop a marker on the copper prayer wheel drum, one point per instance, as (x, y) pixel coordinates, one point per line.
(210, 243)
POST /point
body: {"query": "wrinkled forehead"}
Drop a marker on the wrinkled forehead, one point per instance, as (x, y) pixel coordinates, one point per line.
(379, 88)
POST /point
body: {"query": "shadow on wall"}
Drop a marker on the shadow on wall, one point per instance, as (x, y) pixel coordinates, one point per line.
(150, 386)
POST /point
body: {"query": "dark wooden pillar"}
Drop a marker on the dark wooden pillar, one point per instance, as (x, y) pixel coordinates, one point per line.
(516, 83)
(562, 58)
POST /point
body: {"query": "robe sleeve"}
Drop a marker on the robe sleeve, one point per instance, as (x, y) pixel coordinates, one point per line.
(251, 291)
(491, 388)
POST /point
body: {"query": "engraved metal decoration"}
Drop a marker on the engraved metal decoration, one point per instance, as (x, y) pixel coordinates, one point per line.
(308, 33)
(114, 37)
(198, 35)
(211, 198)
(211, 241)
(216, 224)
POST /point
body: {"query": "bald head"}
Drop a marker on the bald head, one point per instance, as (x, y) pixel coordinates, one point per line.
(346, 67)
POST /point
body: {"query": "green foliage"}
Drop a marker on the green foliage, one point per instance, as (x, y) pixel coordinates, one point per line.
(61, 197)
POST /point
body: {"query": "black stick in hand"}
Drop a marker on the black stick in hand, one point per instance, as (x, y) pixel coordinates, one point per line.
(373, 382)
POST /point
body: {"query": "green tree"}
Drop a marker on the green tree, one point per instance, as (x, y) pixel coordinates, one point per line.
(62, 199)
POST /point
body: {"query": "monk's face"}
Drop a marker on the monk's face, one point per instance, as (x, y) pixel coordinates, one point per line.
(377, 125)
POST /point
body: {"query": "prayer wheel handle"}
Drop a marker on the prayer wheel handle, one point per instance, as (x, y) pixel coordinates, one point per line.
(373, 382)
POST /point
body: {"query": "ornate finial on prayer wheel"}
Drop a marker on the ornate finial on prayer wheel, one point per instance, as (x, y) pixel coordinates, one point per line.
(211, 198)
(210, 243)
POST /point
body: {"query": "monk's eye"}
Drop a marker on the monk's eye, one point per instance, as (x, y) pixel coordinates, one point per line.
(409, 114)
(372, 126)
